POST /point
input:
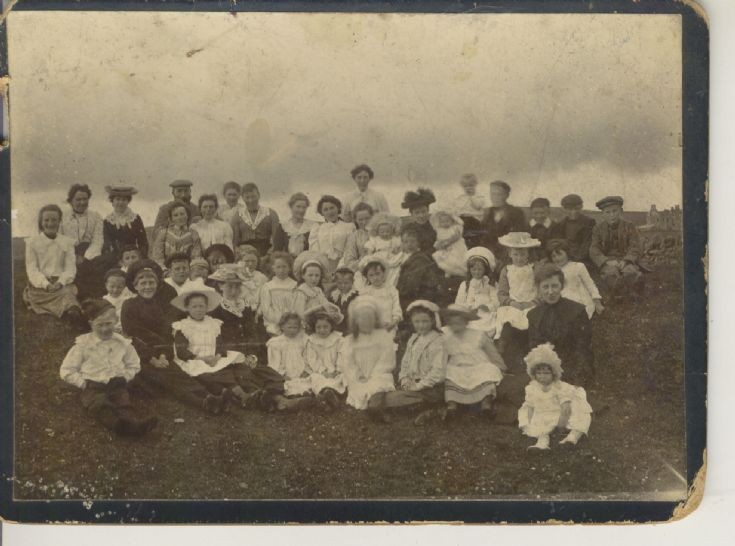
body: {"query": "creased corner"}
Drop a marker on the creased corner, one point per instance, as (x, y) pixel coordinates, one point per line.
(695, 494)
(7, 8)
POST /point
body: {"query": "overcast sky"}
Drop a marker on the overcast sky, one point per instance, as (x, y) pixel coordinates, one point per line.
(552, 104)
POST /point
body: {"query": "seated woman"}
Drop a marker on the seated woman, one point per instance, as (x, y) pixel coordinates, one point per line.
(297, 227)
(212, 230)
(123, 228)
(330, 237)
(177, 237)
(51, 267)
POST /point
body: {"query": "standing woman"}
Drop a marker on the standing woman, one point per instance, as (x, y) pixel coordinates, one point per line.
(123, 227)
(177, 237)
(329, 237)
(232, 206)
(51, 267)
(297, 227)
(211, 230)
(363, 175)
(355, 244)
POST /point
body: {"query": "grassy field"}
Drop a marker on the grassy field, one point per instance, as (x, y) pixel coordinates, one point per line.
(636, 448)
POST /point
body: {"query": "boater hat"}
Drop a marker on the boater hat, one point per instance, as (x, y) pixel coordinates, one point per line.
(519, 239)
(197, 287)
(309, 257)
(429, 306)
(544, 354)
(457, 310)
(605, 202)
(482, 253)
(142, 267)
(120, 191)
(229, 273)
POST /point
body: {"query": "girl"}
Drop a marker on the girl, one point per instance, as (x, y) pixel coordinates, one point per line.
(450, 246)
(117, 293)
(321, 354)
(550, 402)
(286, 355)
(368, 359)
(177, 237)
(232, 206)
(253, 280)
(578, 285)
(385, 294)
(516, 286)
(474, 365)
(385, 242)
(310, 268)
(277, 295)
(329, 237)
(478, 291)
(211, 229)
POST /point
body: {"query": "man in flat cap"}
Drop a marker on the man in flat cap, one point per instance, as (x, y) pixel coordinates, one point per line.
(501, 218)
(575, 228)
(616, 250)
(181, 191)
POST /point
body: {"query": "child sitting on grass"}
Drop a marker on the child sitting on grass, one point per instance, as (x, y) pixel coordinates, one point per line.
(578, 285)
(309, 269)
(385, 242)
(550, 402)
(286, 356)
(321, 354)
(101, 364)
(276, 296)
(117, 293)
(450, 245)
(478, 291)
(374, 270)
(128, 256)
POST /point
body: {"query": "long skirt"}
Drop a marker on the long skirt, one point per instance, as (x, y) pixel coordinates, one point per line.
(57, 303)
(468, 396)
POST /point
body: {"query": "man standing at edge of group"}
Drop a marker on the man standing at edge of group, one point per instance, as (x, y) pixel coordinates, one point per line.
(257, 225)
(501, 218)
(181, 191)
(362, 175)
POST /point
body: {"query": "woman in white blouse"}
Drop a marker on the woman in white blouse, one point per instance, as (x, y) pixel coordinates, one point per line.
(211, 230)
(329, 237)
(297, 227)
(51, 268)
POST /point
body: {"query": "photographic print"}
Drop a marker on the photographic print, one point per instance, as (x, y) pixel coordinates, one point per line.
(347, 263)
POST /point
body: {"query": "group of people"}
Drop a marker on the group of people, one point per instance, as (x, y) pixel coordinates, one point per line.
(228, 305)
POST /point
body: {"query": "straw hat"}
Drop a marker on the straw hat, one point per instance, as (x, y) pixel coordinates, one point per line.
(198, 287)
(119, 190)
(329, 309)
(519, 239)
(425, 304)
(457, 310)
(543, 354)
(482, 253)
(232, 273)
(309, 257)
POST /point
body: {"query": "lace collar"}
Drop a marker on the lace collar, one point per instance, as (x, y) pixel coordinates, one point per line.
(121, 220)
(235, 307)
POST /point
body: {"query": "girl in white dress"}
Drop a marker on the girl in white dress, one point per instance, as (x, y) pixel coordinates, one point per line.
(277, 295)
(323, 347)
(309, 269)
(286, 355)
(450, 245)
(474, 368)
(385, 242)
(368, 358)
(550, 402)
(516, 285)
(253, 280)
(578, 285)
(478, 292)
(374, 271)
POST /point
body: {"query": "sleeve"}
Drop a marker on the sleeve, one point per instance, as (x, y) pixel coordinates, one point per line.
(35, 277)
(228, 235)
(131, 362)
(71, 367)
(586, 240)
(350, 256)
(519, 221)
(161, 222)
(347, 209)
(405, 359)
(587, 281)
(95, 245)
(299, 303)
(235, 222)
(396, 313)
(345, 362)
(144, 339)
(265, 307)
(70, 266)
(274, 356)
(504, 288)
(492, 352)
(219, 346)
(141, 238)
(108, 238)
(438, 368)
(461, 298)
(633, 252)
(275, 228)
(310, 357)
(159, 244)
(583, 328)
(596, 254)
(566, 392)
(196, 245)
(181, 346)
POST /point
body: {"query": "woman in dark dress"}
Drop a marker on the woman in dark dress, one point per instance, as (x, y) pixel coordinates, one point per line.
(418, 203)
(123, 227)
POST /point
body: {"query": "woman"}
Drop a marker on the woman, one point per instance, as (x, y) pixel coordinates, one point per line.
(297, 227)
(231, 191)
(329, 237)
(355, 244)
(211, 230)
(123, 227)
(501, 218)
(363, 175)
(418, 203)
(51, 268)
(177, 237)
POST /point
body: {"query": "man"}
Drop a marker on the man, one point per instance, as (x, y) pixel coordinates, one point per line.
(616, 250)
(257, 226)
(501, 218)
(418, 203)
(181, 191)
(362, 175)
(575, 228)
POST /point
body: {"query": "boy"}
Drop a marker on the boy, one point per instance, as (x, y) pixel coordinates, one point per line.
(102, 363)
(541, 224)
(575, 228)
(615, 249)
(343, 294)
(178, 271)
(117, 292)
(128, 256)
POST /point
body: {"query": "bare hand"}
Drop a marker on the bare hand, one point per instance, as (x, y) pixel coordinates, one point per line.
(156, 363)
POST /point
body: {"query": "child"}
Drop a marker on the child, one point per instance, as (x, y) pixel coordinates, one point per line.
(286, 356)
(117, 292)
(102, 363)
(217, 255)
(128, 256)
(321, 354)
(516, 286)
(450, 246)
(310, 267)
(253, 280)
(343, 294)
(474, 364)
(368, 359)
(469, 203)
(575, 228)
(578, 285)
(178, 271)
(478, 291)
(541, 225)
(385, 242)
(374, 270)
(277, 295)
(550, 402)
(198, 269)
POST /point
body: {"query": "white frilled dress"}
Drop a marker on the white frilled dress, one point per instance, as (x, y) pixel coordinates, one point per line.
(579, 286)
(276, 298)
(251, 289)
(470, 376)
(367, 363)
(286, 356)
(390, 251)
(542, 409)
(480, 292)
(522, 290)
(322, 362)
(305, 297)
(202, 336)
(451, 260)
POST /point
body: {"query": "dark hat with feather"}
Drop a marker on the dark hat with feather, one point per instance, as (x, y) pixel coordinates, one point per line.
(422, 197)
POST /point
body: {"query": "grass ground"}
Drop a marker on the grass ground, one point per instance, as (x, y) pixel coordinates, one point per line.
(635, 448)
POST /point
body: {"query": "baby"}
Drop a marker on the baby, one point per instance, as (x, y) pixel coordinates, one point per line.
(469, 203)
(450, 246)
(385, 242)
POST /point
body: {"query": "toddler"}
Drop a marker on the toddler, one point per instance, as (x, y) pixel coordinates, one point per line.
(385, 294)
(469, 203)
(343, 294)
(385, 242)
(117, 293)
(450, 246)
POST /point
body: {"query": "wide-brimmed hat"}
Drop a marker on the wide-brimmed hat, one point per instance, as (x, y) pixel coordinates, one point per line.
(429, 306)
(422, 197)
(120, 191)
(605, 202)
(140, 267)
(458, 310)
(224, 249)
(331, 310)
(369, 259)
(519, 239)
(543, 354)
(380, 218)
(229, 273)
(199, 288)
(309, 257)
(482, 253)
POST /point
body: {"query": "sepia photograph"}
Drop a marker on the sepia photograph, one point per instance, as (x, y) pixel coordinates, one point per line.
(350, 256)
